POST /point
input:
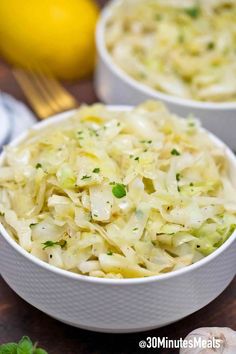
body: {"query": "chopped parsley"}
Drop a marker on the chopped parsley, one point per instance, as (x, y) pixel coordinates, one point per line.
(211, 45)
(96, 170)
(85, 177)
(38, 165)
(191, 184)
(61, 243)
(93, 132)
(137, 158)
(2, 214)
(193, 12)
(109, 253)
(146, 141)
(135, 228)
(157, 17)
(33, 224)
(175, 152)
(119, 190)
(177, 177)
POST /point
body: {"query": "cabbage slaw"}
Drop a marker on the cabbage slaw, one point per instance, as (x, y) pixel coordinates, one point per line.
(182, 48)
(118, 194)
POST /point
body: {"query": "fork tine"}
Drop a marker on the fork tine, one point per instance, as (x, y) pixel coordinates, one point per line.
(49, 99)
(57, 91)
(32, 94)
(45, 94)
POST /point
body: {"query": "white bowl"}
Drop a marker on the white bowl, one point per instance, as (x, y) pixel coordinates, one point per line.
(116, 305)
(114, 86)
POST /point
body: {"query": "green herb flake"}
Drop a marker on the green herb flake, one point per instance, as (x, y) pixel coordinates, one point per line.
(96, 170)
(178, 177)
(109, 253)
(135, 228)
(48, 244)
(85, 177)
(193, 12)
(157, 17)
(119, 190)
(2, 214)
(191, 184)
(33, 224)
(38, 165)
(210, 45)
(175, 152)
(178, 188)
(136, 158)
(146, 141)
(61, 243)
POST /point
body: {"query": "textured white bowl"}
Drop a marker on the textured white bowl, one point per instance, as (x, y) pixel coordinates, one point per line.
(108, 305)
(114, 86)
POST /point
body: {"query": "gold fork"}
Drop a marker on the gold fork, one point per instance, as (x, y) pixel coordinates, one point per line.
(45, 93)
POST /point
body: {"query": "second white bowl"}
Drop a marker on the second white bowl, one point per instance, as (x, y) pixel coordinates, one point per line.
(114, 86)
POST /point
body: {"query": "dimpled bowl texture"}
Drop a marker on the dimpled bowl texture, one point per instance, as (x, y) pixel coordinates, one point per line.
(114, 86)
(121, 305)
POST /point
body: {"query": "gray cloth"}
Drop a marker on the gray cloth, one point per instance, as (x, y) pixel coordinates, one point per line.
(15, 118)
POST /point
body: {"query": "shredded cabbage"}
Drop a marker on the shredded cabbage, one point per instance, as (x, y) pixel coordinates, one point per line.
(183, 48)
(117, 194)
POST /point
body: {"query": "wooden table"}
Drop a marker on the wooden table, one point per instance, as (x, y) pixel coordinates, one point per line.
(17, 318)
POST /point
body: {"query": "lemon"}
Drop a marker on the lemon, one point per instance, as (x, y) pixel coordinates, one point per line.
(55, 34)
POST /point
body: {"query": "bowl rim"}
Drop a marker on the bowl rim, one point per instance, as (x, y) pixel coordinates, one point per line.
(136, 85)
(95, 280)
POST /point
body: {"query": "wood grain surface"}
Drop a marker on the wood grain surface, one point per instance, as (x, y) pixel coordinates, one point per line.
(17, 318)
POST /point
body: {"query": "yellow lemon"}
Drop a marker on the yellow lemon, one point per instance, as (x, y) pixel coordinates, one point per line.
(55, 34)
